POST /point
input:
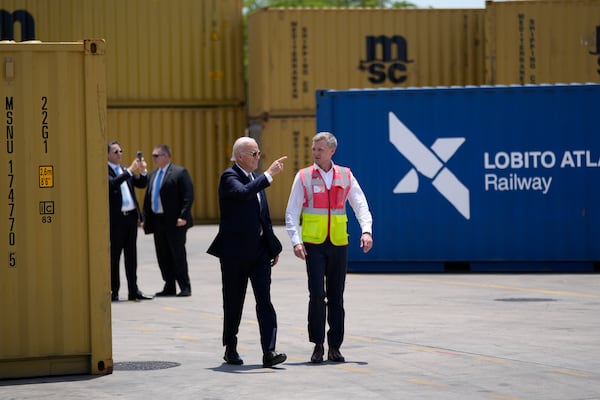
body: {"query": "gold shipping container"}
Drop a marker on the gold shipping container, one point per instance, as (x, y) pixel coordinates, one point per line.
(200, 140)
(55, 306)
(159, 52)
(294, 52)
(290, 137)
(537, 42)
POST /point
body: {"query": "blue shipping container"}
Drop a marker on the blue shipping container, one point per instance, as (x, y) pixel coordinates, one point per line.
(472, 178)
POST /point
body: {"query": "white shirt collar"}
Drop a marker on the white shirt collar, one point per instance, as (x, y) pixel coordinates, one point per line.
(246, 172)
(327, 176)
(164, 169)
(322, 171)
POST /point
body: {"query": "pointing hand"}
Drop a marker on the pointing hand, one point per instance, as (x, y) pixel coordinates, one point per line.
(277, 166)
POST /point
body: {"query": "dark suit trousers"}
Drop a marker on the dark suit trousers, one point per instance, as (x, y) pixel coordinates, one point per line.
(169, 242)
(123, 237)
(326, 266)
(235, 272)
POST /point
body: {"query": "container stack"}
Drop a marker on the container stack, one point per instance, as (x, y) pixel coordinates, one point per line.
(294, 52)
(174, 75)
(536, 42)
(175, 67)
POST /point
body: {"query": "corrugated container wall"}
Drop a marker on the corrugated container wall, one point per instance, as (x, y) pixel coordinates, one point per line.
(290, 137)
(543, 41)
(294, 52)
(55, 279)
(159, 52)
(200, 140)
(481, 178)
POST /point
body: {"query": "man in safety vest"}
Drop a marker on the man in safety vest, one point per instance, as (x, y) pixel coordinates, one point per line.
(319, 193)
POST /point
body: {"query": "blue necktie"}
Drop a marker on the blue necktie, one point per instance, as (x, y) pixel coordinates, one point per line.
(156, 191)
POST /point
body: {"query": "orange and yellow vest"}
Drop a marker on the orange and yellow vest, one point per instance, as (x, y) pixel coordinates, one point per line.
(324, 211)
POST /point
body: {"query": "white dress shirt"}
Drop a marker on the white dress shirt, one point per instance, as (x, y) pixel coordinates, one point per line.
(356, 198)
(248, 174)
(127, 198)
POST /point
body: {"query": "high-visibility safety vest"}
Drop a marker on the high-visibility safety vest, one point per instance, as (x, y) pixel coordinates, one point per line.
(324, 211)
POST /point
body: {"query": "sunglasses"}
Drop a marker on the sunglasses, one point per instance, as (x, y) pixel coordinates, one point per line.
(255, 154)
(117, 151)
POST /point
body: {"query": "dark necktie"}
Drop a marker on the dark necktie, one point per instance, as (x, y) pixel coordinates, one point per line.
(251, 175)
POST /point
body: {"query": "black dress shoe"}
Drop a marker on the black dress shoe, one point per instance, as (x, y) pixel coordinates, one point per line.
(271, 358)
(166, 293)
(317, 355)
(115, 297)
(335, 355)
(185, 293)
(232, 357)
(139, 296)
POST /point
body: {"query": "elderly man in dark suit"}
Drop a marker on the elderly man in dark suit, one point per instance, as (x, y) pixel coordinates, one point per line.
(167, 214)
(247, 248)
(124, 219)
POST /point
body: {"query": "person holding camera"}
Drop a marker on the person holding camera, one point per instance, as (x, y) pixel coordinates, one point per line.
(124, 218)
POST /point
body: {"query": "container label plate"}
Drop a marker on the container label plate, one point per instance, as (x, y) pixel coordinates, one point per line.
(46, 176)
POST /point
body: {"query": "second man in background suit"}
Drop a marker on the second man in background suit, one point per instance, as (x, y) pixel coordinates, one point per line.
(167, 214)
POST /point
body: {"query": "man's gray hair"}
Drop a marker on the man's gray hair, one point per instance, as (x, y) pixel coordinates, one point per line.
(327, 137)
(240, 145)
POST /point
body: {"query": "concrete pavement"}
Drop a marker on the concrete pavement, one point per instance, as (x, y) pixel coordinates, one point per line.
(408, 336)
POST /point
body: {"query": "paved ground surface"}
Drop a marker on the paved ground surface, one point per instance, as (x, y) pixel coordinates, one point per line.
(408, 336)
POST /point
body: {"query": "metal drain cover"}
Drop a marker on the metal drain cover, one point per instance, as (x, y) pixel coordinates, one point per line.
(143, 365)
(525, 299)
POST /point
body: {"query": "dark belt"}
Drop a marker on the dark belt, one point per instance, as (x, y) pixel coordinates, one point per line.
(126, 213)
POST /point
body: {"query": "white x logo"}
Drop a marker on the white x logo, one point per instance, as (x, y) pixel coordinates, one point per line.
(430, 164)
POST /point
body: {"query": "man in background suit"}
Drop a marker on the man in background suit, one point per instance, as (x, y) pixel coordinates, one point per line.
(167, 214)
(124, 219)
(247, 248)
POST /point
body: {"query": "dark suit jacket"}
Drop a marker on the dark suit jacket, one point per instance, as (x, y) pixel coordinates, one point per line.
(241, 216)
(114, 190)
(176, 195)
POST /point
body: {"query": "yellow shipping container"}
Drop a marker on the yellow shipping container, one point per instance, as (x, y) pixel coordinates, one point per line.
(290, 137)
(159, 52)
(55, 280)
(294, 52)
(534, 42)
(200, 140)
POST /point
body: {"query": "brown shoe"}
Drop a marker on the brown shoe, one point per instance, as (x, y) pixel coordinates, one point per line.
(335, 355)
(317, 355)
